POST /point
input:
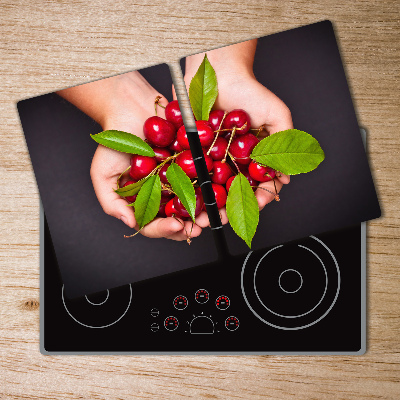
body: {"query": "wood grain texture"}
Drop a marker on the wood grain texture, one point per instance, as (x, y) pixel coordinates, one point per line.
(48, 45)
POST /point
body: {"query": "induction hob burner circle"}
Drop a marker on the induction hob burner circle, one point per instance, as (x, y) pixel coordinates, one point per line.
(108, 312)
(291, 286)
(93, 303)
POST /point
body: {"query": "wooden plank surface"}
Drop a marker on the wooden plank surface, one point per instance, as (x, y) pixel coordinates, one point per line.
(48, 45)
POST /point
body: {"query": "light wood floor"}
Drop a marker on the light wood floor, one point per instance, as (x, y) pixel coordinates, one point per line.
(48, 45)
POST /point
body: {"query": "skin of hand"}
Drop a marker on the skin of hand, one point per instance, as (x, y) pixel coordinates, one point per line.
(238, 88)
(123, 103)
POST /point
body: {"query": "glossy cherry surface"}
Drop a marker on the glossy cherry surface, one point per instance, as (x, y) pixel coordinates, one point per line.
(217, 152)
(260, 172)
(242, 146)
(215, 119)
(161, 153)
(182, 210)
(221, 172)
(131, 199)
(220, 194)
(159, 132)
(173, 114)
(141, 166)
(237, 118)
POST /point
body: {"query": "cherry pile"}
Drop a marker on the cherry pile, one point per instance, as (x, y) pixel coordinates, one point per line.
(227, 141)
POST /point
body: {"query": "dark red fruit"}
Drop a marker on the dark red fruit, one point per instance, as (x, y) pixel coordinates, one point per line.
(252, 181)
(175, 146)
(185, 161)
(170, 209)
(182, 210)
(217, 152)
(220, 195)
(166, 196)
(242, 146)
(206, 135)
(161, 210)
(221, 172)
(131, 199)
(163, 173)
(161, 154)
(237, 118)
(159, 132)
(215, 119)
(141, 166)
(229, 182)
(173, 114)
(261, 173)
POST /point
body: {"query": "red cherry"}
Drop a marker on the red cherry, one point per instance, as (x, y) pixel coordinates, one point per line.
(220, 195)
(182, 210)
(242, 146)
(261, 173)
(209, 161)
(237, 118)
(173, 114)
(215, 119)
(252, 181)
(166, 195)
(161, 210)
(161, 154)
(141, 166)
(221, 172)
(158, 131)
(229, 182)
(131, 199)
(163, 173)
(175, 146)
(170, 209)
(217, 152)
(206, 135)
(185, 161)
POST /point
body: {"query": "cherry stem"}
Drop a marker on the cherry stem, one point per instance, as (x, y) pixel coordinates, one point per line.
(157, 103)
(188, 239)
(276, 196)
(229, 143)
(125, 236)
(121, 176)
(217, 131)
(233, 160)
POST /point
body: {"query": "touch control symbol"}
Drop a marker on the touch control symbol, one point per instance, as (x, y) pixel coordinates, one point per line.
(231, 323)
(222, 302)
(180, 302)
(202, 296)
(155, 327)
(154, 312)
(171, 323)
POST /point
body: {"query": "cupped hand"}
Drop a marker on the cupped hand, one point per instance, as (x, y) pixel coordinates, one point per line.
(131, 103)
(243, 91)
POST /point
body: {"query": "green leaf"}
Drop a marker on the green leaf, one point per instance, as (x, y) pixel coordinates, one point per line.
(125, 142)
(132, 189)
(242, 209)
(291, 152)
(148, 201)
(203, 90)
(183, 188)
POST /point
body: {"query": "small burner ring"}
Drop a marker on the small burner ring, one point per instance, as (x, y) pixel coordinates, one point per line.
(290, 270)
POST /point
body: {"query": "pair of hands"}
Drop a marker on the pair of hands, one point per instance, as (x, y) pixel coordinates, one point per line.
(129, 109)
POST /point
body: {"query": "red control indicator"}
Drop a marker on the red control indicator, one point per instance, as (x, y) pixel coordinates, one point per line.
(180, 302)
(202, 296)
(171, 323)
(231, 323)
(222, 302)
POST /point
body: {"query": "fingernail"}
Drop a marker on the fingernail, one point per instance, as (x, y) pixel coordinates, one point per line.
(124, 220)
